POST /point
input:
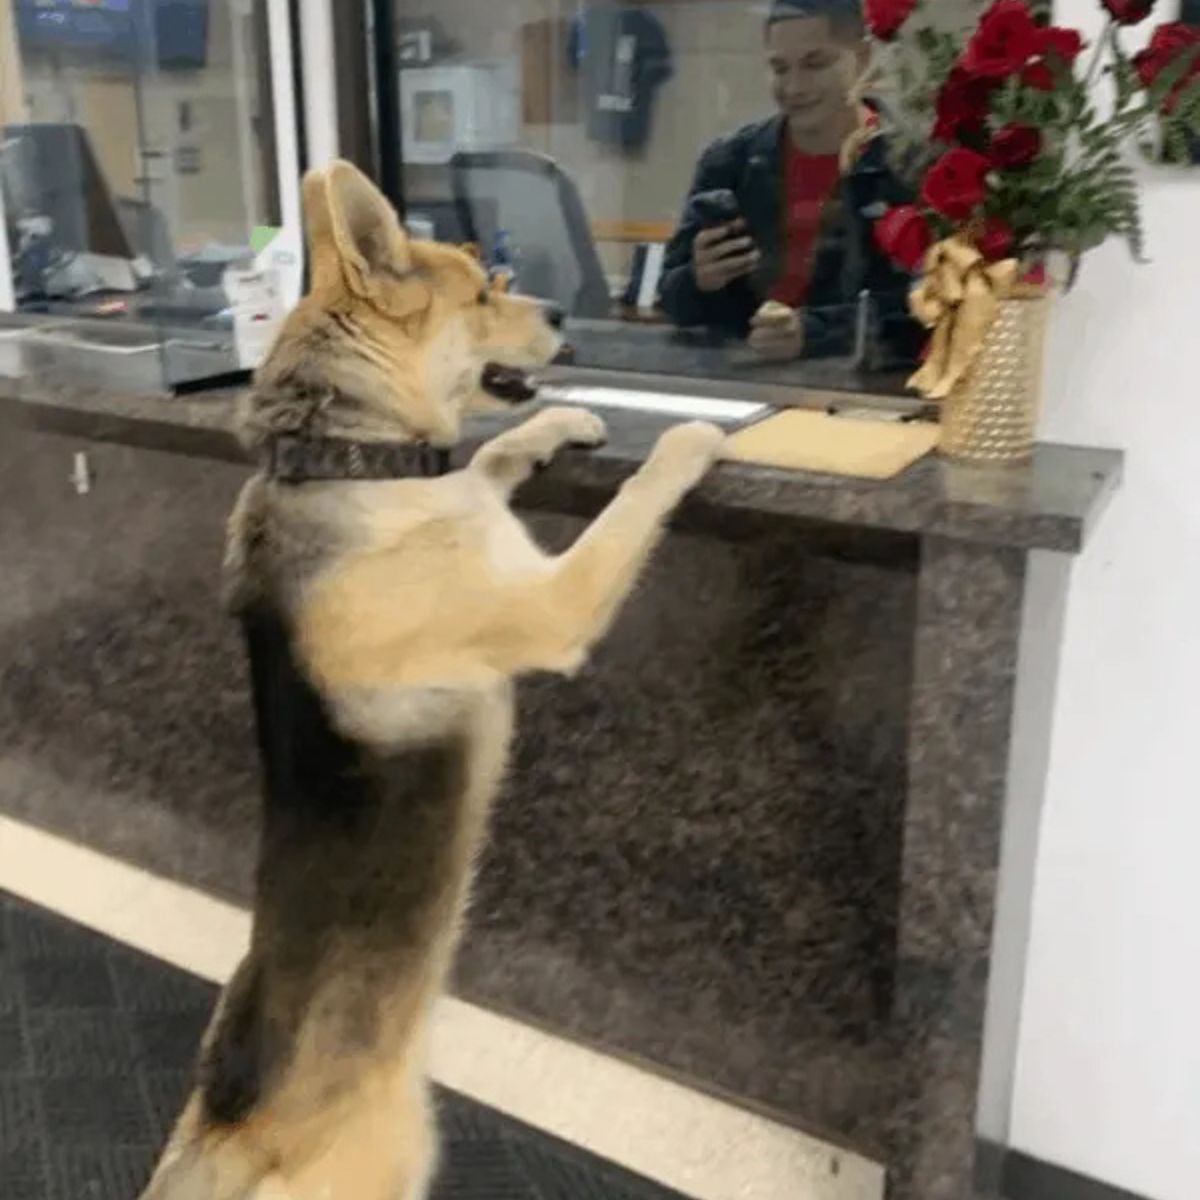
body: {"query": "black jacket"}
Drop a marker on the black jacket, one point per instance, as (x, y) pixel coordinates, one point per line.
(750, 164)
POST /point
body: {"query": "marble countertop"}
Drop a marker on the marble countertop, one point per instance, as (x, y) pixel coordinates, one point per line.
(1052, 504)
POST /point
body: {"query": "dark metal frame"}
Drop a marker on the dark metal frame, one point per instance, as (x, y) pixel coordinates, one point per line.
(352, 67)
(389, 144)
(298, 84)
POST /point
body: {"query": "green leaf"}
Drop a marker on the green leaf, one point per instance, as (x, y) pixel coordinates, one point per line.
(1125, 78)
(1176, 145)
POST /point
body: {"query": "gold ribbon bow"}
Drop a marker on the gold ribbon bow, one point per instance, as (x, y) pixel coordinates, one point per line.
(958, 298)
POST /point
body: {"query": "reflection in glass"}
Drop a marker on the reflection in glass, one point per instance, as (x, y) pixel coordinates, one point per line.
(694, 181)
(776, 241)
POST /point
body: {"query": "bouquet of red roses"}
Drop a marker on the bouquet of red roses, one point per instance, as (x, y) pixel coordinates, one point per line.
(1003, 133)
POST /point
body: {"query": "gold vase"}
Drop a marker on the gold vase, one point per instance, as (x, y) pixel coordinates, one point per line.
(990, 417)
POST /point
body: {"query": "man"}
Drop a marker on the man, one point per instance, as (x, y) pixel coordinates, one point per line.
(809, 186)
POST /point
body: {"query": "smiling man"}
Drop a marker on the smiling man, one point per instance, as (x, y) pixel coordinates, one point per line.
(783, 209)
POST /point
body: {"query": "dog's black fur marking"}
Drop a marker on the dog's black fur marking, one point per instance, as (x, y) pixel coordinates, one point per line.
(351, 867)
(234, 1071)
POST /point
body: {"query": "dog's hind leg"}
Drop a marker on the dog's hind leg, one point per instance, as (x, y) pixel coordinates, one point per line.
(508, 460)
(383, 1148)
(203, 1164)
(419, 1135)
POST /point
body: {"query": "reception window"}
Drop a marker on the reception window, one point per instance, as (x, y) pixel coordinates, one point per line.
(693, 181)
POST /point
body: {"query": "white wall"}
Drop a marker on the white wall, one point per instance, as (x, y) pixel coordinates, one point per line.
(1108, 1077)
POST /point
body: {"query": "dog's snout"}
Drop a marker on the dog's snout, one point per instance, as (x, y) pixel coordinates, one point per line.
(556, 317)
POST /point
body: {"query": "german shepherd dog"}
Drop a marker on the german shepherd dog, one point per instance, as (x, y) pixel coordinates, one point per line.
(386, 620)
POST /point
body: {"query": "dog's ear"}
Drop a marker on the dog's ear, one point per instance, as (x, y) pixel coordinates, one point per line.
(324, 267)
(353, 232)
(367, 231)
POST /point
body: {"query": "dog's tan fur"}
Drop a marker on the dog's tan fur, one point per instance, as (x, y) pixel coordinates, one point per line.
(410, 606)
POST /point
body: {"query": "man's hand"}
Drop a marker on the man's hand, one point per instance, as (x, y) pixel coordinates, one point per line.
(777, 332)
(722, 254)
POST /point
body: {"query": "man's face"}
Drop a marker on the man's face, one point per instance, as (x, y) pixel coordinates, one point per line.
(812, 70)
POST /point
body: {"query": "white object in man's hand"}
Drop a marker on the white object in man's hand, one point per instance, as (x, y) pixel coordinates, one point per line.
(722, 254)
(777, 332)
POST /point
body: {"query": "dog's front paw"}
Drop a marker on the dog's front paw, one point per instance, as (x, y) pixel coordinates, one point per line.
(687, 451)
(578, 426)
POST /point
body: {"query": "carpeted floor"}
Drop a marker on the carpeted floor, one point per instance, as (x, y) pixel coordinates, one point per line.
(96, 1049)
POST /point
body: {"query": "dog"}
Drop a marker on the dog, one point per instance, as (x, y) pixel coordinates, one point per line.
(386, 620)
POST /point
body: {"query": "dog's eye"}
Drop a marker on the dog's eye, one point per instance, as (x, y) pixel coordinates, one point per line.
(483, 296)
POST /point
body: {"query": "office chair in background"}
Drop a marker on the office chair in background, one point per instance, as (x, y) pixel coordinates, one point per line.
(528, 196)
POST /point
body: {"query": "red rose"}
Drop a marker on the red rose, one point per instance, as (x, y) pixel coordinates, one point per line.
(1129, 12)
(885, 17)
(1015, 146)
(1039, 76)
(1066, 44)
(1007, 38)
(904, 235)
(956, 184)
(962, 103)
(1169, 42)
(995, 239)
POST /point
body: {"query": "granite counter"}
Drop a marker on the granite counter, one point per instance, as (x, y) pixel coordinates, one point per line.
(1049, 506)
(756, 844)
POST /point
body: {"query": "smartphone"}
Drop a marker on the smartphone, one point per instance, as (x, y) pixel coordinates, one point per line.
(717, 207)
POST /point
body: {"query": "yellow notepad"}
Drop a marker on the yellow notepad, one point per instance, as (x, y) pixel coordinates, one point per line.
(801, 440)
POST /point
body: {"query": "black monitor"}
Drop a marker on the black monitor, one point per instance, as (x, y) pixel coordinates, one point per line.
(50, 171)
(174, 32)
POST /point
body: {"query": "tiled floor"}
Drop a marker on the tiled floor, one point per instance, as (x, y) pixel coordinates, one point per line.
(683, 1140)
(96, 1042)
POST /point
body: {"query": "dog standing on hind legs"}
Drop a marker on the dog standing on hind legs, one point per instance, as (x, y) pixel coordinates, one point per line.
(386, 619)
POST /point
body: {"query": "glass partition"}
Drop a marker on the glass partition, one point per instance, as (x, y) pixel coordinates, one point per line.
(149, 185)
(689, 179)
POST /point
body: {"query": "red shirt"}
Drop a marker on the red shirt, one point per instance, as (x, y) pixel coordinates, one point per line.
(809, 181)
